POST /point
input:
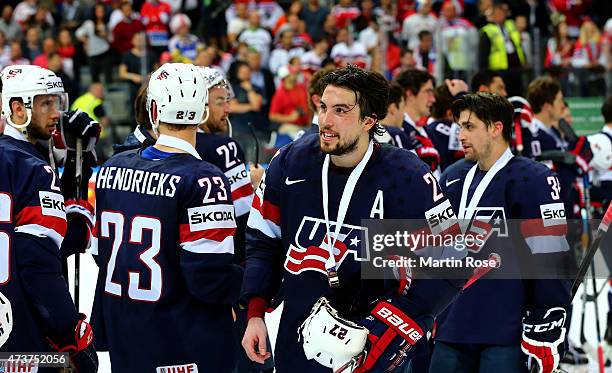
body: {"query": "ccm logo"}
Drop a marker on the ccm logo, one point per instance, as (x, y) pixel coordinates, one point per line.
(400, 324)
(541, 328)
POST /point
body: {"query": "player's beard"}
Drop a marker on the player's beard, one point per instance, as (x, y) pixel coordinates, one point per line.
(37, 132)
(341, 147)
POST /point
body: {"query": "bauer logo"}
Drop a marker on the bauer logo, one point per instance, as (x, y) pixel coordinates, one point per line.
(211, 217)
(553, 214)
(52, 204)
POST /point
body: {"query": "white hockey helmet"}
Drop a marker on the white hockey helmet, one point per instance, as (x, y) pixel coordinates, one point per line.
(602, 151)
(6, 319)
(332, 341)
(175, 95)
(213, 78)
(26, 82)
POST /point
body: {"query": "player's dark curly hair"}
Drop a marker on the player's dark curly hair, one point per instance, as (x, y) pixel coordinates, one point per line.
(371, 92)
(489, 108)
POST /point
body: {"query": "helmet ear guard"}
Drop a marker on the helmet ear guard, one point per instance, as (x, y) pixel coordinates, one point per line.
(331, 340)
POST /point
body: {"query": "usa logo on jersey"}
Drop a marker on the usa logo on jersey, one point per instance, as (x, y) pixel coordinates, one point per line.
(310, 253)
(485, 222)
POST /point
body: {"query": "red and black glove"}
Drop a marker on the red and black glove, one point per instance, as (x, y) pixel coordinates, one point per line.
(543, 338)
(392, 339)
(427, 152)
(83, 356)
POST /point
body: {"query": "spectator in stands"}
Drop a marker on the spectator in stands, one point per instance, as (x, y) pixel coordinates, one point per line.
(245, 108)
(294, 9)
(347, 51)
(301, 39)
(500, 49)
(24, 12)
(311, 61)
(263, 79)
(407, 62)
(94, 33)
(521, 27)
(49, 47)
(269, 11)
(559, 51)
(17, 57)
(125, 29)
(588, 57)
(573, 11)
(289, 108)
(425, 56)
(44, 21)
(191, 8)
(386, 15)
(72, 14)
(345, 12)
(11, 29)
(32, 46)
(284, 51)
(67, 50)
(419, 21)
(257, 37)
(55, 64)
(489, 81)
(239, 23)
(183, 46)
(92, 103)
(366, 16)
(314, 15)
(368, 36)
(457, 35)
(155, 17)
(132, 69)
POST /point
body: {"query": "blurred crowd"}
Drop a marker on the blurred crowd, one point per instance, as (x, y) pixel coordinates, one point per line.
(270, 49)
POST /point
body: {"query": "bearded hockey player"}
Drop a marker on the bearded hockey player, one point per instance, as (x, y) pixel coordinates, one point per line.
(482, 331)
(166, 260)
(33, 220)
(305, 227)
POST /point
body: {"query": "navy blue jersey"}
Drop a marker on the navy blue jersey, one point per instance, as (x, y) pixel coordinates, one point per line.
(490, 311)
(32, 229)
(164, 228)
(226, 153)
(287, 227)
(444, 135)
(397, 137)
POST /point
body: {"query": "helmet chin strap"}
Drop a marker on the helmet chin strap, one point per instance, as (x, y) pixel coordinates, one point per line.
(21, 127)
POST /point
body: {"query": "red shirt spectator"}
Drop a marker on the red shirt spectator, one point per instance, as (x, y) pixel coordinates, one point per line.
(125, 30)
(345, 12)
(155, 16)
(289, 103)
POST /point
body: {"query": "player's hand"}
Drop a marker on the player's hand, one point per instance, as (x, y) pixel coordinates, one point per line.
(456, 86)
(392, 339)
(81, 125)
(83, 356)
(254, 340)
(256, 172)
(543, 337)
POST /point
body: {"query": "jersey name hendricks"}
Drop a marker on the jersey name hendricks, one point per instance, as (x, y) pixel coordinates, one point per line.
(137, 181)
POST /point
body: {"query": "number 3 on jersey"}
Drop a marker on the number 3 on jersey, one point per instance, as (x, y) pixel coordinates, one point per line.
(139, 224)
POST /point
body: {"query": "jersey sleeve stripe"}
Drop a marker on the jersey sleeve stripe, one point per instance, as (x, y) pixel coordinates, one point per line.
(215, 234)
(265, 226)
(268, 210)
(243, 191)
(536, 227)
(33, 215)
(42, 231)
(206, 246)
(543, 239)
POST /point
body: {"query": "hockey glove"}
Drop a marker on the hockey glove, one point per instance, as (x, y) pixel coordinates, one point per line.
(83, 356)
(427, 152)
(543, 337)
(392, 338)
(77, 124)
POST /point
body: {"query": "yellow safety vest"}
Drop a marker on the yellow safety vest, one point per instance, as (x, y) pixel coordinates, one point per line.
(498, 58)
(87, 103)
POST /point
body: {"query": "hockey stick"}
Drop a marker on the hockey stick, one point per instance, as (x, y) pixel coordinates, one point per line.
(79, 194)
(256, 142)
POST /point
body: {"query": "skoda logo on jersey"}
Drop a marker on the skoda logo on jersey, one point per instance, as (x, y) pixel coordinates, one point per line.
(309, 252)
(486, 221)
